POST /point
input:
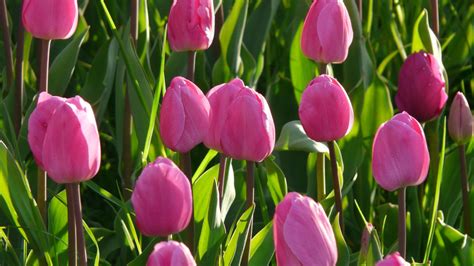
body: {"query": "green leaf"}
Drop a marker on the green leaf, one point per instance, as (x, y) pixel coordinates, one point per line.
(294, 138)
(424, 38)
(63, 65)
(143, 258)
(235, 248)
(58, 227)
(302, 69)
(261, 247)
(276, 181)
(343, 251)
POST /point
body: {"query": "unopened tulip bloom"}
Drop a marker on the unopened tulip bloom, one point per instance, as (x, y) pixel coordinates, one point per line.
(170, 253)
(327, 32)
(393, 259)
(421, 87)
(325, 110)
(50, 19)
(162, 199)
(241, 124)
(191, 25)
(302, 233)
(400, 155)
(184, 116)
(460, 119)
(63, 136)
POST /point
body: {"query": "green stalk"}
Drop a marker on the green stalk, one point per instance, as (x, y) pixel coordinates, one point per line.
(465, 191)
(81, 247)
(6, 41)
(249, 203)
(71, 222)
(17, 114)
(402, 222)
(321, 176)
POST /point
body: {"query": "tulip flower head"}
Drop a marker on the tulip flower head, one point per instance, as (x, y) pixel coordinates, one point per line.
(400, 155)
(50, 19)
(184, 116)
(162, 199)
(325, 110)
(170, 253)
(241, 124)
(421, 87)
(302, 233)
(63, 136)
(327, 32)
(460, 121)
(191, 25)
(393, 259)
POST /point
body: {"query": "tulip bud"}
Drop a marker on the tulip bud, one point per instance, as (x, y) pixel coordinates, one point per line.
(400, 155)
(325, 110)
(50, 19)
(170, 253)
(393, 260)
(460, 121)
(63, 136)
(241, 124)
(421, 87)
(327, 32)
(191, 25)
(162, 199)
(302, 233)
(184, 116)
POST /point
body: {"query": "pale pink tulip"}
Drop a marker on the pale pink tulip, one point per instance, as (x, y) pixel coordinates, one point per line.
(325, 110)
(460, 121)
(191, 25)
(162, 199)
(170, 253)
(400, 155)
(327, 32)
(184, 116)
(50, 19)
(64, 139)
(421, 87)
(302, 233)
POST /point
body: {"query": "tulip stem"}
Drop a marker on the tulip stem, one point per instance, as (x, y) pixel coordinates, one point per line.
(6, 42)
(249, 203)
(71, 221)
(222, 172)
(435, 17)
(335, 182)
(402, 220)
(17, 116)
(465, 191)
(185, 161)
(320, 176)
(323, 68)
(359, 7)
(81, 247)
(191, 65)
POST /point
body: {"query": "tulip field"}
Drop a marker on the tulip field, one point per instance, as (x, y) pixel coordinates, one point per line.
(236, 132)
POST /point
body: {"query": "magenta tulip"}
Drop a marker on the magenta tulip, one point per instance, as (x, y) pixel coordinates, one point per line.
(460, 119)
(421, 87)
(184, 117)
(325, 110)
(241, 124)
(327, 32)
(400, 155)
(63, 136)
(170, 253)
(393, 259)
(162, 199)
(191, 25)
(302, 233)
(50, 19)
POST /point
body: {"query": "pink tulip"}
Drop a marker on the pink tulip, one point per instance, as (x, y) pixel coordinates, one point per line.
(241, 124)
(325, 110)
(302, 233)
(421, 90)
(184, 117)
(460, 123)
(170, 253)
(327, 32)
(50, 19)
(64, 139)
(162, 199)
(393, 260)
(191, 25)
(400, 155)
